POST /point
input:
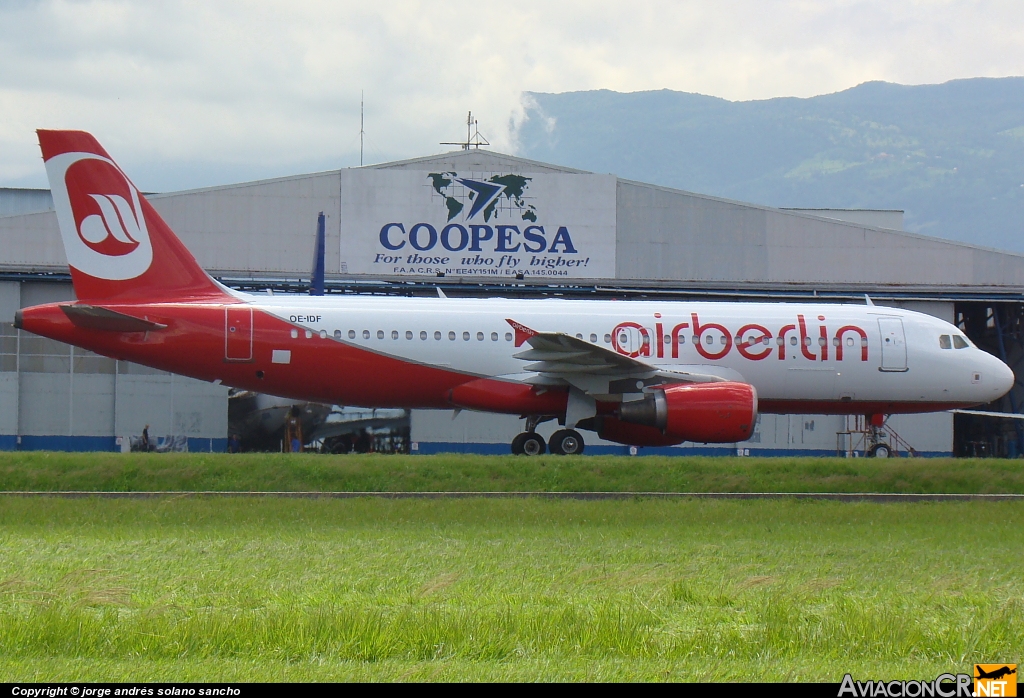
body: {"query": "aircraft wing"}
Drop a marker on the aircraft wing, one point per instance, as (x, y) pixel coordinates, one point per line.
(561, 359)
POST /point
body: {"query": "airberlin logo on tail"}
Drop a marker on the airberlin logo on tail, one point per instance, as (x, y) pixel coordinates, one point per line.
(100, 217)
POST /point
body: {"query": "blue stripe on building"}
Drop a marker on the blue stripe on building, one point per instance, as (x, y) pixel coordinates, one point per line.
(426, 448)
(95, 443)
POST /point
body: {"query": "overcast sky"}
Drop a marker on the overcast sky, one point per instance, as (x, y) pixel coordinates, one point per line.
(188, 94)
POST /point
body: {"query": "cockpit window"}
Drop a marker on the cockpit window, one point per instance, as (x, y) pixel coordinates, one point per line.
(959, 342)
(944, 342)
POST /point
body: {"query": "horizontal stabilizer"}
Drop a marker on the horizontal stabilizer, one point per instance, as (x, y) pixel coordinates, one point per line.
(93, 317)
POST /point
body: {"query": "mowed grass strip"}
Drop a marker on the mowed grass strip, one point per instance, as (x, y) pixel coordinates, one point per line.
(262, 589)
(262, 472)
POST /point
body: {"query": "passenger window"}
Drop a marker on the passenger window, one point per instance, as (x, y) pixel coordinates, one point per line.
(849, 341)
(944, 342)
(451, 335)
(351, 334)
(593, 338)
(323, 334)
(394, 334)
(623, 339)
(337, 334)
(579, 336)
(822, 341)
(959, 342)
(792, 341)
(780, 340)
(465, 336)
(508, 336)
(494, 336)
(366, 334)
(408, 334)
(479, 336)
(607, 339)
(295, 334)
(437, 334)
(380, 334)
(423, 334)
(309, 334)
(863, 341)
(835, 341)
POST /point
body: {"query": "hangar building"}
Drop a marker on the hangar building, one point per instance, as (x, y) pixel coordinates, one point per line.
(638, 240)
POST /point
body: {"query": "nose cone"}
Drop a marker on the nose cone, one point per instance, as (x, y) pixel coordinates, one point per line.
(1003, 378)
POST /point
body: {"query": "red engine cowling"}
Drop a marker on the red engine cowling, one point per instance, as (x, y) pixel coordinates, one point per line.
(702, 412)
(612, 429)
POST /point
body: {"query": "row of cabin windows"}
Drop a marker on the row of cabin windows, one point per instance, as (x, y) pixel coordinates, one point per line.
(957, 342)
(395, 334)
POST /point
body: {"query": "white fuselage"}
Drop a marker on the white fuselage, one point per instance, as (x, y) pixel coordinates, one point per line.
(789, 351)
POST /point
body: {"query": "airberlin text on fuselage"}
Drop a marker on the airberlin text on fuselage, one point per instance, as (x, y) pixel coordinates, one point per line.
(753, 341)
(455, 237)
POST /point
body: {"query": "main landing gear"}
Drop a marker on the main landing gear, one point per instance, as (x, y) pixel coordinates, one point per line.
(564, 442)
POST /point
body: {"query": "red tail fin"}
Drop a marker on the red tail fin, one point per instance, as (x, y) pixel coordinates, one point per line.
(118, 246)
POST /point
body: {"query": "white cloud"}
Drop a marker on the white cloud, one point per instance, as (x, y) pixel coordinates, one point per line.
(192, 91)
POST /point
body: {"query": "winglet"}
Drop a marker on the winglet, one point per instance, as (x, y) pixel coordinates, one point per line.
(867, 300)
(440, 293)
(523, 332)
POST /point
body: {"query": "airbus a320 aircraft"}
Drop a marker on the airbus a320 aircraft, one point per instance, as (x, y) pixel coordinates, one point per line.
(649, 373)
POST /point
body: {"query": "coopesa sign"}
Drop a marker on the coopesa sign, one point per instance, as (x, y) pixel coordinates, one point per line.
(481, 224)
(456, 238)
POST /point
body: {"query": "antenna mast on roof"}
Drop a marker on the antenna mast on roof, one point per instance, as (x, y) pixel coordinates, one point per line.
(361, 131)
(473, 139)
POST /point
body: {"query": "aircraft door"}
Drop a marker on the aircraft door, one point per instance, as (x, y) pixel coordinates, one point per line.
(894, 344)
(238, 333)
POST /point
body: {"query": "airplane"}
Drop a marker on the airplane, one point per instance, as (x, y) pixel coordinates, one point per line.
(642, 373)
(994, 674)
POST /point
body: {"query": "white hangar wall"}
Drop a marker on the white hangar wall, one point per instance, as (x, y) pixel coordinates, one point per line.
(662, 237)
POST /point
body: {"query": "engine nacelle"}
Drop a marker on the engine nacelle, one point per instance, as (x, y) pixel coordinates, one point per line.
(702, 412)
(611, 429)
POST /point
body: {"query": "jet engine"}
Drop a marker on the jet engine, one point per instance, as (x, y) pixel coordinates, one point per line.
(702, 412)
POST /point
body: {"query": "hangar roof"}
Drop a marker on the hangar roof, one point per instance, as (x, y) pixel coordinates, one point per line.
(664, 238)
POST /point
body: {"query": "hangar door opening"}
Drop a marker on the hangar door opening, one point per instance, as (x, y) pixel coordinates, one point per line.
(998, 328)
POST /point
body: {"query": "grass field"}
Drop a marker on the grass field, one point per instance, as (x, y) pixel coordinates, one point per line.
(265, 589)
(469, 473)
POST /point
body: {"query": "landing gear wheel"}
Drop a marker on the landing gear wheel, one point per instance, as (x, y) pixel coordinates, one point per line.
(880, 451)
(566, 442)
(517, 444)
(528, 444)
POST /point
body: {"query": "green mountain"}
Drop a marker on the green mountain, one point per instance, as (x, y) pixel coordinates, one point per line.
(950, 155)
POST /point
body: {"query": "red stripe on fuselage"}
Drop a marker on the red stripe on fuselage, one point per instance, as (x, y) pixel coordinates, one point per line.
(320, 370)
